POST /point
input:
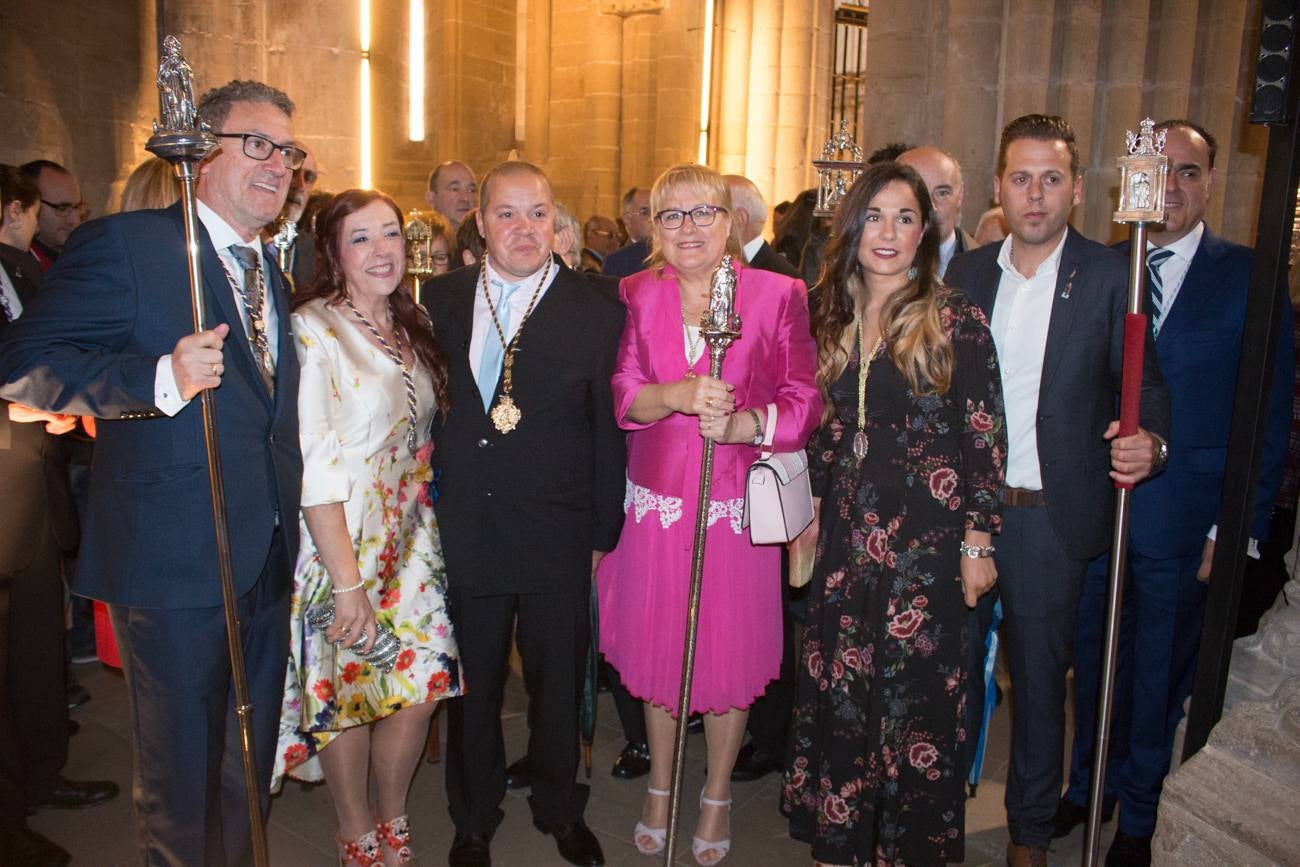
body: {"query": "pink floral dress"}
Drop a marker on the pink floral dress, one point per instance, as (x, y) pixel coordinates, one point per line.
(353, 423)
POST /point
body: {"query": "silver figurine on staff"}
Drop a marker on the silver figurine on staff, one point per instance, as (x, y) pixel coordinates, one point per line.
(720, 327)
(184, 140)
(1143, 173)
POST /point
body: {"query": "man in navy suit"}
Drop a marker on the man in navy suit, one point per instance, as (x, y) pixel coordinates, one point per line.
(1056, 303)
(1197, 284)
(110, 336)
(636, 217)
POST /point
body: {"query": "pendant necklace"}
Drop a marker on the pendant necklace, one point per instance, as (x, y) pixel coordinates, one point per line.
(864, 369)
(693, 349)
(396, 354)
(505, 415)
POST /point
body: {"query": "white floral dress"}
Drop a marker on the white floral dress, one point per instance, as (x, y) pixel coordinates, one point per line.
(353, 424)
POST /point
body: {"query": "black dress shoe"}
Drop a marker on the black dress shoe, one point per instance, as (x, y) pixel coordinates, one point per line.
(576, 843)
(1070, 815)
(23, 846)
(470, 850)
(517, 774)
(695, 723)
(73, 727)
(633, 762)
(753, 764)
(74, 794)
(1127, 850)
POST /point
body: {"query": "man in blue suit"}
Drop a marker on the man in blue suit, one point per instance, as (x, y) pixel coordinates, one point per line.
(1197, 284)
(636, 217)
(1055, 302)
(110, 336)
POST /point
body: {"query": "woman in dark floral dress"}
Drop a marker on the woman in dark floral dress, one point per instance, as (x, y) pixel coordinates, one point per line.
(908, 465)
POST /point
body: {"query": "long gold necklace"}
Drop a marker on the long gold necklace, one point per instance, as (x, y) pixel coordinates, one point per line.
(692, 346)
(505, 415)
(864, 369)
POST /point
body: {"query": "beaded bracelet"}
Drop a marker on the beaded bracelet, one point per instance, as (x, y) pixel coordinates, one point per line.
(356, 586)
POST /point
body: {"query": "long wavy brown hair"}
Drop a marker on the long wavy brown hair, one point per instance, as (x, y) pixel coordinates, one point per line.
(330, 284)
(910, 322)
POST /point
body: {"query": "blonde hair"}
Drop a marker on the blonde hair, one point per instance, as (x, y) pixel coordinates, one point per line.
(152, 184)
(689, 176)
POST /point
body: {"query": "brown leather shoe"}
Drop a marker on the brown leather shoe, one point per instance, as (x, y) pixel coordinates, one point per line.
(1025, 856)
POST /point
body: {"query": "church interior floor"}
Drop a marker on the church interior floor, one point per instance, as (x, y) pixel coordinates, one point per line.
(302, 825)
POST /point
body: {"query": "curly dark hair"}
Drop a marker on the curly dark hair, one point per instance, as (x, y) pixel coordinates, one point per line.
(330, 284)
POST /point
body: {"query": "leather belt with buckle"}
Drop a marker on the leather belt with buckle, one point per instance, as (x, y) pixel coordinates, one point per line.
(1023, 497)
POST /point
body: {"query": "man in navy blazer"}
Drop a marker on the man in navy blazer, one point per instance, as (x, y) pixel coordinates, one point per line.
(111, 336)
(1056, 303)
(636, 217)
(1197, 285)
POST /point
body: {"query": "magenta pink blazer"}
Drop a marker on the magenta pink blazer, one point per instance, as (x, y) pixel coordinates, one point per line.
(773, 361)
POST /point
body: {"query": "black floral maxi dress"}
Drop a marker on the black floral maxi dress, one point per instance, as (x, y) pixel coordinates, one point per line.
(877, 769)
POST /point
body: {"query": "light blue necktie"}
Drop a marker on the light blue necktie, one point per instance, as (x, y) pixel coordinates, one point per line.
(489, 368)
(1156, 284)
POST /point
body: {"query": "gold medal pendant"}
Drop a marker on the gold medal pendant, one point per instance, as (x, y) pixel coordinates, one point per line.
(860, 445)
(505, 415)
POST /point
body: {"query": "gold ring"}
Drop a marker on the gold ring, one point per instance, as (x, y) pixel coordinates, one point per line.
(214, 370)
(708, 401)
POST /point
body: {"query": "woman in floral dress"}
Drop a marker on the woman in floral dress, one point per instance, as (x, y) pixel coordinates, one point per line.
(908, 465)
(372, 375)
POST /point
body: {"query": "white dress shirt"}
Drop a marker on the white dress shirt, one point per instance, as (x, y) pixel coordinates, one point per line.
(518, 305)
(167, 395)
(751, 249)
(947, 249)
(1021, 315)
(1174, 269)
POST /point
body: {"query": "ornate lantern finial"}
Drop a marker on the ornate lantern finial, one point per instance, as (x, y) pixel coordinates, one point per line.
(1142, 176)
(839, 167)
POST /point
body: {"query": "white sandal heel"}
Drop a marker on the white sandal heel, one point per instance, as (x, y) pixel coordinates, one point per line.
(654, 835)
(699, 845)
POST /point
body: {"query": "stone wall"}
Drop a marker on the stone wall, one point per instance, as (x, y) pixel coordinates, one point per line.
(953, 72)
(604, 94)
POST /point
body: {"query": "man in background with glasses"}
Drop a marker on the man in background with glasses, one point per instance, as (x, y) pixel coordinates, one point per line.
(111, 336)
(636, 217)
(62, 209)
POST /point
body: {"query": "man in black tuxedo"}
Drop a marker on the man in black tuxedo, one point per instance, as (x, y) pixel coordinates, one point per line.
(532, 479)
(943, 180)
(111, 336)
(750, 215)
(1056, 303)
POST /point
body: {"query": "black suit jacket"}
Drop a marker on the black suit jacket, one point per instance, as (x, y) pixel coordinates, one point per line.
(627, 260)
(33, 470)
(116, 301)
(1079, 392)
(769, 260)
(522, 512)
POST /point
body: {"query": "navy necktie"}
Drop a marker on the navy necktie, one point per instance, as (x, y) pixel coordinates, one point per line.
(1156, 286)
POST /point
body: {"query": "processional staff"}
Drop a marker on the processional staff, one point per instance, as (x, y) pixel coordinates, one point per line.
(719, 327)
(1142, 176)
(184, 140)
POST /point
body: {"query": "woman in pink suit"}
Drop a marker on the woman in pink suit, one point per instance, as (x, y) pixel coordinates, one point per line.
(670, 405)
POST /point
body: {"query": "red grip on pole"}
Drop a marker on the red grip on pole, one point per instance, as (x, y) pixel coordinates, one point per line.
(1130, 396)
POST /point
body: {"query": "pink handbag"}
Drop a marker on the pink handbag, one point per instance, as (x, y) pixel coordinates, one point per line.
(778, 495)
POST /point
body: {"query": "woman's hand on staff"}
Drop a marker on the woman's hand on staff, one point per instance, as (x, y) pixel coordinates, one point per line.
(978, 574)
(703, 396)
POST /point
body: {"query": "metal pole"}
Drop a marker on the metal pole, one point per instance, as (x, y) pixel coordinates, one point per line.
(719, 328)
(1115, 590)
(185, 143)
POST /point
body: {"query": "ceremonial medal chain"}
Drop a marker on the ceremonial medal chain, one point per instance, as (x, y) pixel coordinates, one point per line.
(412, 405)
(505, 415)
(864, 369)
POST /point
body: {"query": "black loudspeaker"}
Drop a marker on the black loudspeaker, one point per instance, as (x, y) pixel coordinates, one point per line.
(1272, 102)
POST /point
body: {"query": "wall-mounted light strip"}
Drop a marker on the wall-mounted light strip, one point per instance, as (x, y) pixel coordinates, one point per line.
(415, 72)
(366, 155)
(706, 83)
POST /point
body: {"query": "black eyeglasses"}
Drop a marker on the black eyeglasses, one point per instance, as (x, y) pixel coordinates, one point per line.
(260, 148)
(63, 208)
(440, 258)
(308, 176)
(701, 216)
(637, 212)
